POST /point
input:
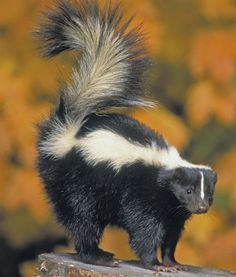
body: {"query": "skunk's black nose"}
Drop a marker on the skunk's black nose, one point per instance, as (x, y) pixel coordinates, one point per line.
(203, 208)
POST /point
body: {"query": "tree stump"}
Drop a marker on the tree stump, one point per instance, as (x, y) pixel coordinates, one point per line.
(67, 265)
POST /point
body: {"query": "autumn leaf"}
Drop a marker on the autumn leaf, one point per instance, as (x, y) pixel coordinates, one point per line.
(200, 104)
(224, 243)
(207, 100)
(214, 54)
(197, 40)
(225, 167)
(216, 9)
(117, 241)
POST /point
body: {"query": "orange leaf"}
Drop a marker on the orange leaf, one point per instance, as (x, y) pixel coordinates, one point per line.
(214, 53)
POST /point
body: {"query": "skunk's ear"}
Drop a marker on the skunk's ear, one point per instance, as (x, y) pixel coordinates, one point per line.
(179, 174)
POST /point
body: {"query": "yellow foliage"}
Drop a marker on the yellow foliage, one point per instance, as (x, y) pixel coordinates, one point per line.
(187, 254)
(225, 107)
(221, 251)
(207, 100)
(218, 8)
(203, 228)
(214, 53)
(200, 103)
(197, 236)
(28, 83)
(225, 167)
(145, 12)
(117, 241)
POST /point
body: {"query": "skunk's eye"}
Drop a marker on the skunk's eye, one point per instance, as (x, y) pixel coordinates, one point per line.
(189, 191)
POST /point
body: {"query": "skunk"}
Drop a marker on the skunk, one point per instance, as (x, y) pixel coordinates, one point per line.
(102, 168)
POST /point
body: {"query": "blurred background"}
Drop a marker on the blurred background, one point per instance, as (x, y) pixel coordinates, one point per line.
(193, 77)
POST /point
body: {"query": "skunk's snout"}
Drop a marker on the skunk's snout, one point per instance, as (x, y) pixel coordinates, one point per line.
(203, 208)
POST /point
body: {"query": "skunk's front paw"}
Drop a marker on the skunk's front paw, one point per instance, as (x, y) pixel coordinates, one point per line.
(164, 268)
(172, 263)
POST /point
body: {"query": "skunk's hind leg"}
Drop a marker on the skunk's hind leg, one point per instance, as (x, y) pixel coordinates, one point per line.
(87, 238)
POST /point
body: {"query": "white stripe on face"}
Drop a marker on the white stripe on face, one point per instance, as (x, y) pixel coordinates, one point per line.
(202, 185)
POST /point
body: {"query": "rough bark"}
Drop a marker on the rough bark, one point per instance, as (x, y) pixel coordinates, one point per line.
(67, 265)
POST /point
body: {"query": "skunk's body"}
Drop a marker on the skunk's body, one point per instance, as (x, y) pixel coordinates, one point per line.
(103, 168)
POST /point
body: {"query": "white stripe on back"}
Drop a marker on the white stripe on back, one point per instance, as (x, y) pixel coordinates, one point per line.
(106, 146)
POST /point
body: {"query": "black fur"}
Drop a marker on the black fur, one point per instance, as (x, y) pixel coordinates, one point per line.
(125, 126)
(151, 202)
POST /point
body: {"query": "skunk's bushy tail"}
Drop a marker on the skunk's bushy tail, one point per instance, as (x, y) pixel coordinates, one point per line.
(110, 70)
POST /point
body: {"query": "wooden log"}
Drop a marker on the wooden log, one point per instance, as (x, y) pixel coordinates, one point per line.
(67, 265)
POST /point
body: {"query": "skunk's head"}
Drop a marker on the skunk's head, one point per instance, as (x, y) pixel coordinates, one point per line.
(193, 187)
